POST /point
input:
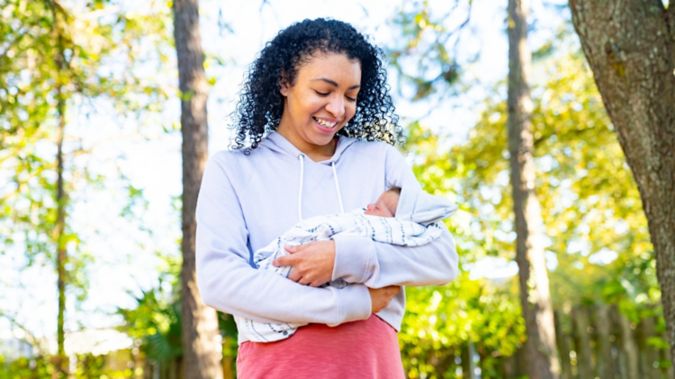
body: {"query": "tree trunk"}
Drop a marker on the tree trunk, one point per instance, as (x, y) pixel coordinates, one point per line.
(60, 198)
(61, 253)
(648, 355)
(562, 339)
(582, 342)
(468, 367)
(602, 324)
(534, 288)
(201, 338)
(629, 353)
(630, 47)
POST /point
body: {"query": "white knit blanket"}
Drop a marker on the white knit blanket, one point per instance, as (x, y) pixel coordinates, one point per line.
(380, 229)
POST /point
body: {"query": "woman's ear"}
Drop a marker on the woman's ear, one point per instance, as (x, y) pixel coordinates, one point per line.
(284, 86)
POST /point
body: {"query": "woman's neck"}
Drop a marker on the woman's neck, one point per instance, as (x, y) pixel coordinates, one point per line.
(316, 153)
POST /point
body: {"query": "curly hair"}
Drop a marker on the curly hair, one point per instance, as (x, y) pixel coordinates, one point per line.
(261, 103)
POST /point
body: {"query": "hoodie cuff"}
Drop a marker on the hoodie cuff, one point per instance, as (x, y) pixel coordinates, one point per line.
(355, 258)
(353, 303)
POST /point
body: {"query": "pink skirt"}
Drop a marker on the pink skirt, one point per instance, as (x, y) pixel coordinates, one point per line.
(359, 349)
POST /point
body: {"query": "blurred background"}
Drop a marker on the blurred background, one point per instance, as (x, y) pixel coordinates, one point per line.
(90, 187)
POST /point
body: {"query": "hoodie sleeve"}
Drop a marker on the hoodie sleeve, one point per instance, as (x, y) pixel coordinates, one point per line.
(362, 260)
(227, 281)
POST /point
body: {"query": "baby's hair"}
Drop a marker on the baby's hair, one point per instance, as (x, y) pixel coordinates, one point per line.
(394, 189)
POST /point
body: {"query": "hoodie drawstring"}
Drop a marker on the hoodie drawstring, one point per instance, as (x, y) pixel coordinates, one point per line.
(302, 179)
(302, 174)
(337, 187)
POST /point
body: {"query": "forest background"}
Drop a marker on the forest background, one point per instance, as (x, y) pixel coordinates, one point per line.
(91, 194)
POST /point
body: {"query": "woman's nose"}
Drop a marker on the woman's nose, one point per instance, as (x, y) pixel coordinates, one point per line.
(336, 106)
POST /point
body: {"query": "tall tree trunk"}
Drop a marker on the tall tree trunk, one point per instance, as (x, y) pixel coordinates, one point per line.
(468, 367)
(648, 355)
(562, 339)
(582, 342)
(201, 339)
(534, 288)
(605, 364)
(629, 355)
(630, 46)
(60, 197)
(61, 253)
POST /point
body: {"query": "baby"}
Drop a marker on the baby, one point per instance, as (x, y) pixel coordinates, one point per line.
(408, 217)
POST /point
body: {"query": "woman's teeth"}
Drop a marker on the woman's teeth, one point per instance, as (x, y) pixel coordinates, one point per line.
(325, 123)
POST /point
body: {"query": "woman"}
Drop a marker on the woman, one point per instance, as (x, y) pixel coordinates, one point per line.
(313, 99)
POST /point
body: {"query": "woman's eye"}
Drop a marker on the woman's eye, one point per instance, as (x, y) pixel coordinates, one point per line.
(321, 93)
(351, 99)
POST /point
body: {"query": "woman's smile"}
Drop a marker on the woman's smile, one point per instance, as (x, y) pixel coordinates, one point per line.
(325, 126)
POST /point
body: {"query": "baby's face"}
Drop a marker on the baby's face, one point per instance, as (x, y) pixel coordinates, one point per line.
(385, 206)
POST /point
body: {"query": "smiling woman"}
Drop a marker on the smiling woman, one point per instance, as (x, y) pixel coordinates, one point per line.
(315, 108)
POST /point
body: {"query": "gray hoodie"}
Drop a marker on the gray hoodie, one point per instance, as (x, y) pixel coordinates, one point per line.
(245, 201)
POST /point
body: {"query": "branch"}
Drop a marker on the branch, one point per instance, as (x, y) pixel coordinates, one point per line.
(31, 339)
(18, 39)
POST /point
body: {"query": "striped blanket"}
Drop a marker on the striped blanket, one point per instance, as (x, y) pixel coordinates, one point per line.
(380, 229)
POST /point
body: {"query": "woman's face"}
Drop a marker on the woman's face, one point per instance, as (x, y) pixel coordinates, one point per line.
(320, 102)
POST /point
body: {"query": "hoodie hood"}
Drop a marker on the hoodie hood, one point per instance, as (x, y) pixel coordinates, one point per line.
(418, 206)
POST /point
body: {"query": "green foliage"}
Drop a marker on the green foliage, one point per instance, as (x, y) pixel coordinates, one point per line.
(598, 241)
(90, 366)
(155, 320)
(57, 61)
(441, 321)
(28, 368)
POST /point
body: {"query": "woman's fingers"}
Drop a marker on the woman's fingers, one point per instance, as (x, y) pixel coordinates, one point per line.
(380, 297)
(286, 260)
(311, 264)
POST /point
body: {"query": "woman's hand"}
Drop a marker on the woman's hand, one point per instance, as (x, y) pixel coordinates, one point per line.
(380, 297)
(311, 264)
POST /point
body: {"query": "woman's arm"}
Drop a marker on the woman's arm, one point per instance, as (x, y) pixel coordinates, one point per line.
(228, 283)
(375, 264)
(361, 260)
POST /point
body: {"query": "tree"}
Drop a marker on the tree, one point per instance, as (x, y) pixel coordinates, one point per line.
(54, 56)
(540, 347)
(61, 197)
(630, 47)
(200, 324)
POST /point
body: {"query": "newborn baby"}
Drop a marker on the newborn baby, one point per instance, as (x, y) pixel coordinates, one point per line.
(408, 217)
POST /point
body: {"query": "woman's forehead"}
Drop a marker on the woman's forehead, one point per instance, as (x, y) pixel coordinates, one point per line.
(322, 64)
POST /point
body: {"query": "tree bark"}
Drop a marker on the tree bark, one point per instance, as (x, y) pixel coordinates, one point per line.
(535, 298)
(630, 47)
(605, 365)
(562, 339)
(201, 338)
(582, 342)
(468, 367)
(61, 360)
(648, 355)
(628, 352)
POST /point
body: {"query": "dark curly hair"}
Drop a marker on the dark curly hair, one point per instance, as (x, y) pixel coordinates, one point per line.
(261, 103)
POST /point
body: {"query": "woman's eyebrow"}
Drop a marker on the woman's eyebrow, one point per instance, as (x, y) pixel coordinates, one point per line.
(334, 83)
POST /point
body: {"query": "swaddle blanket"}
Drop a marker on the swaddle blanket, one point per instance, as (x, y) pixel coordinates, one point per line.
(380, 229)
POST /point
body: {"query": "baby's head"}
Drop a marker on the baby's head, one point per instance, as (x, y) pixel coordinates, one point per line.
(385, 205)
